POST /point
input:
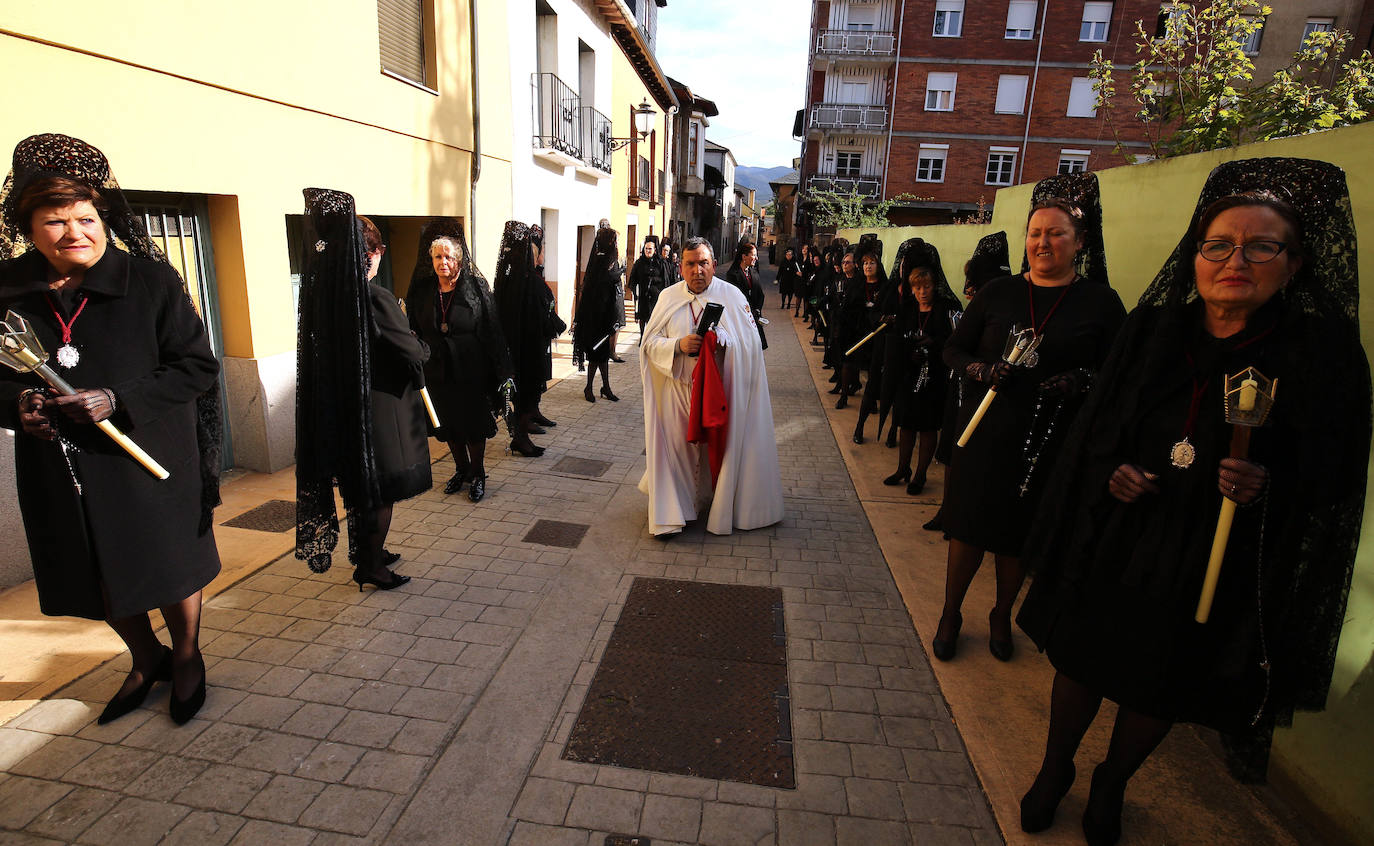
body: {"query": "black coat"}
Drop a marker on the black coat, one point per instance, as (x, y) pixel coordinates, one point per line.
(140, 336)
(648, 278)
(400, 431)
(747, 281)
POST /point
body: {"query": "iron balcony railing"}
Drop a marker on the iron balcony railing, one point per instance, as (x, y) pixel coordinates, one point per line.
(867, 185)
(557, 116)
(596, 139)
(848, 42)
(851, 116)
(641, 188)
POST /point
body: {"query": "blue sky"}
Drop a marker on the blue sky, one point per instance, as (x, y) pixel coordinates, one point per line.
(749, 56)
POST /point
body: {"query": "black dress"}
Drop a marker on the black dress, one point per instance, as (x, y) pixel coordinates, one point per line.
(600, 311)
(648, 278)
(914, 372)
(128, 532)
(400, 425)
(859, 315)
(984, 504)
(463, 368)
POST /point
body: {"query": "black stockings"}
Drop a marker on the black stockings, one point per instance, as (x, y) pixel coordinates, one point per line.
(960, 568)
(603, 367)
(906, 445)
(145, 650)
(369, 531)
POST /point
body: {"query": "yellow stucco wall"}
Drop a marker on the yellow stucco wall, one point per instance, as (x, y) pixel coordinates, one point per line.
(258, 112)
(1326, 761)
(627, 91)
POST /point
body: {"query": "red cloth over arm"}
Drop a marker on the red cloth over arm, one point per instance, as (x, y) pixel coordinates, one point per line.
(708, 420)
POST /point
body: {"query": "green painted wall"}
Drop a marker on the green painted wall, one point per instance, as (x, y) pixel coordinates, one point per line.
(1325, 762)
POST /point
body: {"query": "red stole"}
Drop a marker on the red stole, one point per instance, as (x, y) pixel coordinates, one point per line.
(708, 420)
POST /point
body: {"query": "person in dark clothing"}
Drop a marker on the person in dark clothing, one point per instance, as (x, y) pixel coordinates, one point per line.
(859, 315)
(598, 310)
(552, 323)
(743, 275)
(789, 279)
(452, 310)
(672, 274)
(648, 278)
(842, 278)
(923, 310)
(109, 540)
(522, 301)
(999, 471)
(1265, 277)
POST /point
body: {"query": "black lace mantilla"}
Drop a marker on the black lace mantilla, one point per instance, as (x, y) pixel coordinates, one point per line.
(991, 260)
(1081, 190)
(52, 155)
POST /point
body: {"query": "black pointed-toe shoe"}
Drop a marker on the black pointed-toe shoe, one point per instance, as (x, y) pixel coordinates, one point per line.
(121, 705)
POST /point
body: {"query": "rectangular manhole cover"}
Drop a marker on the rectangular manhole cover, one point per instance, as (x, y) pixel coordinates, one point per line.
(275, 515)
(556, 533)
(693, 682)
(588, 467)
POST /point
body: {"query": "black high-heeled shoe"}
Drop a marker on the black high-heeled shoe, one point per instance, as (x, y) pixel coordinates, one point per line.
(389, 558)
(1102, 815)
(945, 648)
(606, 392)
(378, 582)
(1001, 648)
(182, 710)
(617, 359)
(529, 451)
(1042, 800)
(478, 489)
(587, 392)
(121, 705)
(842, 402)
(542, 420)
(891, 442)
(455, 483)
(902, 475)
(917, 485)
(533, 428)
(858, 436)
(936, 523)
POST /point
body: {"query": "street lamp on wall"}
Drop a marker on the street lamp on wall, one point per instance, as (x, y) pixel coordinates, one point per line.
(644, 123)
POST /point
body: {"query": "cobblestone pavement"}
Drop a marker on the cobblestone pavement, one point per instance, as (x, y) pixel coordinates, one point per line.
(437, 713)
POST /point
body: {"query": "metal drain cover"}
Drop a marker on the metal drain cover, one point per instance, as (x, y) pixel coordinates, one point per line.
(693, 682)
(588, 467)
(275, 515)
(556, 533)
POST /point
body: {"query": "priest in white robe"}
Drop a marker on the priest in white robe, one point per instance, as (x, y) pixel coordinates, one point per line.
(747, 493)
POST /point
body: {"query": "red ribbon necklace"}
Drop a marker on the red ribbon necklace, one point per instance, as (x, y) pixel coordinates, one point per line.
(1036, 329)
(1183, 453)
(67, 355)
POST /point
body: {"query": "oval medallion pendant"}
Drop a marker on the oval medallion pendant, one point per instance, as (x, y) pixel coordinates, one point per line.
(67, 356)
(1030, 359)
(1182, 455)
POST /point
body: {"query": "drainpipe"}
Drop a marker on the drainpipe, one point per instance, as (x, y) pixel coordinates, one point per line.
(1030, 100)
(476, 166)
(892, 114)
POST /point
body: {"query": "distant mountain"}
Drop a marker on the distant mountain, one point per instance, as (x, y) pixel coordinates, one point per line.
(757, 178)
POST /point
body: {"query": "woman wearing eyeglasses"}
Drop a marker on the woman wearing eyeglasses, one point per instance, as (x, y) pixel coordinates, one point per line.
(1265, 277)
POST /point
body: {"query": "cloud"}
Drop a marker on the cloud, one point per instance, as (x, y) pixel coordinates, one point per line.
(749, 56)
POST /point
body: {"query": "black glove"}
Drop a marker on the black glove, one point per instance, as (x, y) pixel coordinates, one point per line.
(997, 374)
(1070, 383)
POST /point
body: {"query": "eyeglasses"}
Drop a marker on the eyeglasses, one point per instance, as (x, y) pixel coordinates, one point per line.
(1255, 252)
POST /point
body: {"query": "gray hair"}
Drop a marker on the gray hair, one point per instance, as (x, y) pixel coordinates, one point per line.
(446, 239)
(696, 242)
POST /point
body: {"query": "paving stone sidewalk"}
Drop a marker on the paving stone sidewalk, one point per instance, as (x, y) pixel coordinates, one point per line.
(437, 713)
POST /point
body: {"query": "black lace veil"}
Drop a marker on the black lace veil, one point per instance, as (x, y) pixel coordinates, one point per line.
(916, 252)
(333, 378)
(1081, 190)
(51, 155)
(991, 260)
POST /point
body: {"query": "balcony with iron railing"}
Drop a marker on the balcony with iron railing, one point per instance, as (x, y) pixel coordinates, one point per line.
(856, 44)
(557, 120)
(867, 185)
(849, 117)
(596, 143)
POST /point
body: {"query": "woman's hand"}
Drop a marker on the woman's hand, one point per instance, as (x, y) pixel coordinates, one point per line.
(1130, 482)
(32, 417)
(1241, 481)
(86, 406)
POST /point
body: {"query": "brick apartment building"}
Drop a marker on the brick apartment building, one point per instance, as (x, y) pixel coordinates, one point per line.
(950, 100)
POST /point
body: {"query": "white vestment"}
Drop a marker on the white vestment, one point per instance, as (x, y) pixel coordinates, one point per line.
(748, 493)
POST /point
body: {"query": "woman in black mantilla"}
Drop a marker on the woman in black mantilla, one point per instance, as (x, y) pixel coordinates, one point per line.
(360, 421)
(860, 314)
(648, 278)
(469, 370)
(789, 280)
(595, 314)
(1265, 276)
(994, 481)
(842, 276)
(924, 311)
(109, 541)
(524, 311)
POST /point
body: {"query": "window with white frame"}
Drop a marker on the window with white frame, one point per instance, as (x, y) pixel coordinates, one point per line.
(940, 92)
(1073, 161)
(848, 162)
(854, 92)
(1096, 19)
(1001, 165)
(862, 18)
(1011, 94)
(1021, 19)
(1168, 14)
(1082, 98)
(1317, 25)
(949, 18)
(930, 163)
(1253, 40)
